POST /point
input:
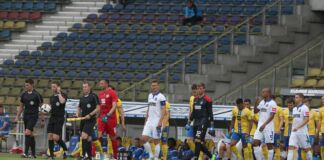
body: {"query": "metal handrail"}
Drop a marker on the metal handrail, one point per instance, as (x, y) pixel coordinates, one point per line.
(228, 32)
(301, 52)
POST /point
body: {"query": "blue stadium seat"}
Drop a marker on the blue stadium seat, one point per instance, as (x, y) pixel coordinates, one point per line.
(37, 73)
(103, 56)
(133, 66)
(46, 45)
(115, 46)
(42, 63)
(46, 54)
(127, 46)
(237, 10)
(149, 19)
(98, 65)
(64, 64)
(138, 57)
(39, 6)
(83, 74)
(30, 63)
(92, 46)
(172, 58)
(8, 62)
(123, 27)
(162, 18)
(94, 37)
(145, 67)
(140, 76)
(160, 58)
(94, 74)
(28, 6)
(17, 6)
(112, 26)
(100, 26)
(184, 28)
(118, 76)
(35, 53)
(71, 74)
(154, 38)
(59, 73)
(76, 64)
(157, 66)
(77, 26)
(80, 45)
(125, 17)
(196, 28)
(142, 37)
(129, 76)
(166, 38)
(106, 8)
(61, 36)
(187, 48)
(15, 72)
(84, 36)
(48, 73)
(5, 5)
(149, 57)
(102, 17)
(121, 66)
(125, 56)
(50, 7)
(190, 39)
(131, 37)
(57, 45)
(86, 64)
(89, 26)
(152, 9)
(147, 27)
(52, 64)
(110, 66)
(106, 75)
(103, 46)
(163, 48)
(73, 36)
(135, 27)
(24, 53)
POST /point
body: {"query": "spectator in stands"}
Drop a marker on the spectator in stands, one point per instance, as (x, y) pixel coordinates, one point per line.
(4, 124)
(192, 14)
(184, 151)
(172, 151)
(120, 144)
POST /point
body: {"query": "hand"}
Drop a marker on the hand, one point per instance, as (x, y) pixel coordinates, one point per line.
(124, 128)
(159, 124)
(87, 116)
(187, 127)
(59, 90)
(277, 132)
(295, 129)
(262, 128)
(211, 131)
(104, 119)
(42, 123)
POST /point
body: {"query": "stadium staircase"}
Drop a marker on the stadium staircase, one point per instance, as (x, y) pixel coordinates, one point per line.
(230, 71)
(49, 27)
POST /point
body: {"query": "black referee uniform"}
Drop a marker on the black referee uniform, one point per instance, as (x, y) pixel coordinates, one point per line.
(31, 101)
(56, 121)
(88, 103)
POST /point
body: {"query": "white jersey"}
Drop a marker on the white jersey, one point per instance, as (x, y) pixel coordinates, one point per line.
(156, 102)
(266, 109)
(300, 112)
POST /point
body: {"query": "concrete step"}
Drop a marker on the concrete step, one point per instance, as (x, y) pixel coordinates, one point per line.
(88, 3)
(227, 59)
(276, 30)
(59, 23)
(67, 18)
(51, 28)
(70, 13)
(28, 42)
(21, 46)
(44, 33)
(209, 69)
(257, 40)
(82, 9)
(35, 37)
(195, 78)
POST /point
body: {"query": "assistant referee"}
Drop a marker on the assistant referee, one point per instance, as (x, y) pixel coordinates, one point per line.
(30, 100)
(88, 108)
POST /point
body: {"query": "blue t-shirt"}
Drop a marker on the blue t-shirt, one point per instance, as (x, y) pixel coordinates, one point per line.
(4, 117)
(193, 11)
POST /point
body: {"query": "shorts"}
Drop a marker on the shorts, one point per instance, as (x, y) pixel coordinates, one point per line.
(190, 132)
(240, 136)
(311, 139)
(55, 125)
(322, 141)
(87, 126)
(286, 141)
(152, 131)
(250, 139)
(165, 134)
(277, 139)
(30, 122)
(110, 127)
(267, 136)
(300, 140)
(200, 132)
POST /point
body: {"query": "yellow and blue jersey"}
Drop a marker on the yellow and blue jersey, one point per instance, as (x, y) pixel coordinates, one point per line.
(242, 120)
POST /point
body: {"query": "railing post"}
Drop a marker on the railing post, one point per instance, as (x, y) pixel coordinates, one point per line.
(216, 51)
(232, 42)
(274, 79)
(247, 32)
(134, 92)
(306, 62)
(322, 55)
(279, 12)
(167, 80)
(264, 22)
(290, 70)
(200, 61)
(183, 72)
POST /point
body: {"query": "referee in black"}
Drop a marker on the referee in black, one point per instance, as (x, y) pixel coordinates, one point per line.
(88, 108)
(56, 121)
(30, 100)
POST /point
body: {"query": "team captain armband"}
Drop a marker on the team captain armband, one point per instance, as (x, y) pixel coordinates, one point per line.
(162, 103)
(306, 114)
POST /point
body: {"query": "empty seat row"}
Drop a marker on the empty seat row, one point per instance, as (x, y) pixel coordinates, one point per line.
(179, 9)
(25, 16)
(28, 6)
(159, 28)
(211, 2)
(12, 25)
(5, 35)
(310, 83)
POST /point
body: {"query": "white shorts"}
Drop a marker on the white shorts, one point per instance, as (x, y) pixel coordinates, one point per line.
(151, 131)
(300, 140)
(267, 136)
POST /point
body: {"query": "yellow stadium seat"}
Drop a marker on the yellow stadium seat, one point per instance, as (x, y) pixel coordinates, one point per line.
(15, 92)
(162, 86)
(1, 24)
(77, 84)
(47, 93)
(73, 94)
(4, 91)
(142, 96)
(20, 26)
(297, 82)
(1, 80)
(2, 98)
(314, 72)
(10, 101)
(145, 87)
(66, 84)
(322, 74)
(278, 101)
(127, 96)
(9, 25)
(43, 83)
(320, 83)
(9, 82)
(310, 83)
(316, 102)
(123, 85)
(20, 82)
(113, 83)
